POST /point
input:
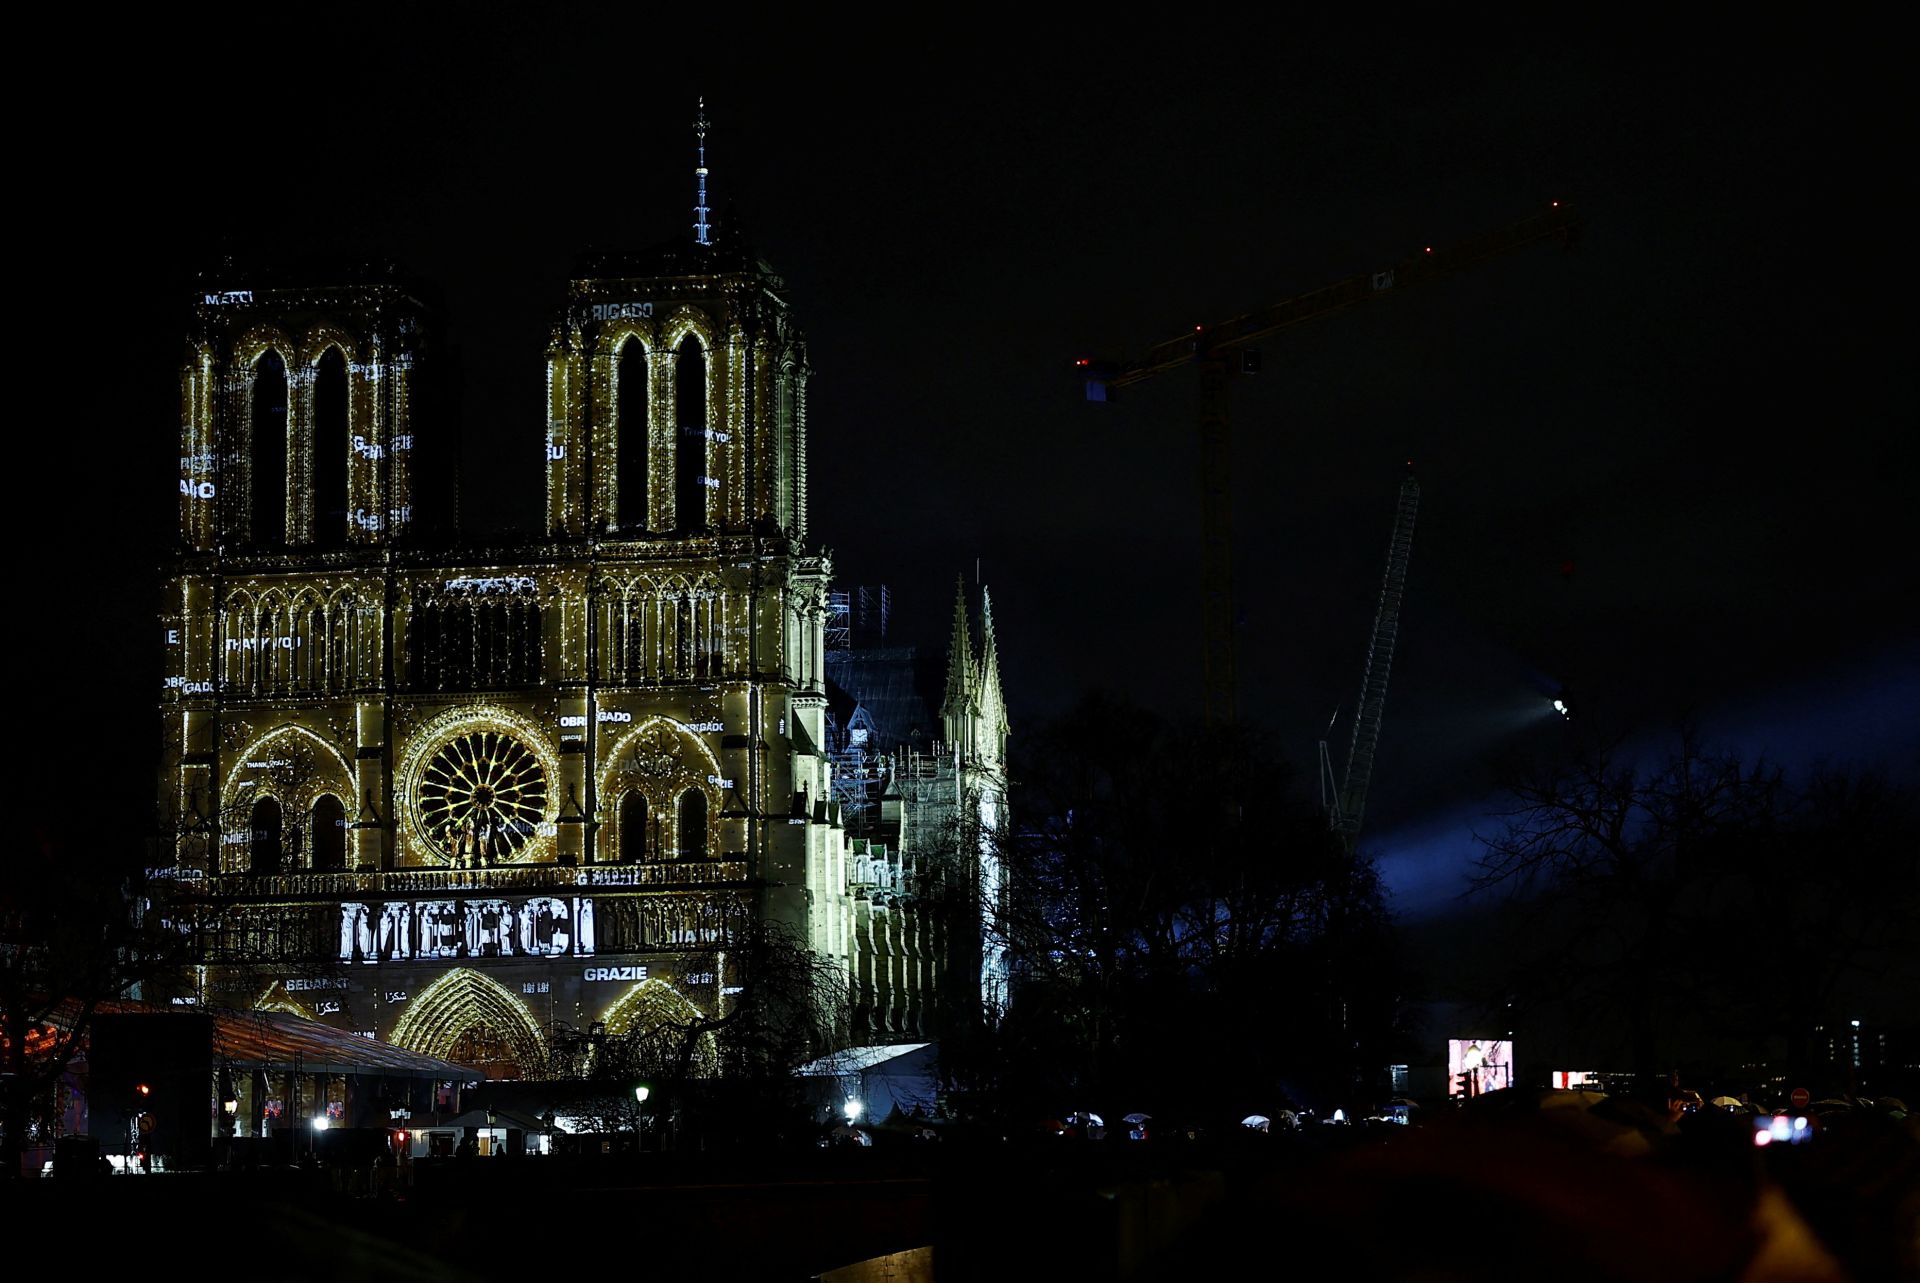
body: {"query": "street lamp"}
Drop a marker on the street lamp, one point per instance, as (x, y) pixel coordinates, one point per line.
(852, 1110)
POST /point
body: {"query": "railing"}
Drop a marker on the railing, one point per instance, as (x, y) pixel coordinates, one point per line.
(537, 877)
(663, 873)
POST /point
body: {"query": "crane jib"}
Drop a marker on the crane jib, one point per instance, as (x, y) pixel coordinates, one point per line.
(1429, 264)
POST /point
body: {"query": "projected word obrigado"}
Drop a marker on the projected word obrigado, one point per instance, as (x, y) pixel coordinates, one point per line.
(620, 311)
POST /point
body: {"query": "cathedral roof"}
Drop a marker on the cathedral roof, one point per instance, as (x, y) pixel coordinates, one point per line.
(235, 276)
(680, 256)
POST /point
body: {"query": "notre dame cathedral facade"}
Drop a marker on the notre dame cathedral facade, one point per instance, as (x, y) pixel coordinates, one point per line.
(469, 795)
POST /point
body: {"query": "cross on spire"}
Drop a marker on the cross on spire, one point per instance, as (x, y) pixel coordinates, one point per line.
(700, 175)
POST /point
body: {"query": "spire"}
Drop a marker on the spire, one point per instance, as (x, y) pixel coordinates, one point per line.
(700, 174)
(959, 659)
(993, 703)
(960, 705)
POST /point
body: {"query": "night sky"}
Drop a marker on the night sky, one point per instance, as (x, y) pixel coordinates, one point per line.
(1703, 410)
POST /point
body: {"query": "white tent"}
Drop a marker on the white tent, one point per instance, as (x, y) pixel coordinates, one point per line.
(878, 1079)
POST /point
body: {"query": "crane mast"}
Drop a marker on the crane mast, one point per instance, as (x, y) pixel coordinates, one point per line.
(1347, 802)
(1214, 349)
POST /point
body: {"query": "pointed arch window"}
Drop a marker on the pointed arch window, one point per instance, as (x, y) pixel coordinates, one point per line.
(329, 833)
(635, 819)
(692, 825)
(690, 441)
(331, 448)
(630, 428)
(264, 840)
(268, 451)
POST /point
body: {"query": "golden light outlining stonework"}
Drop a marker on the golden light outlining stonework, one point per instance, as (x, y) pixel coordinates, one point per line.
(569, 773)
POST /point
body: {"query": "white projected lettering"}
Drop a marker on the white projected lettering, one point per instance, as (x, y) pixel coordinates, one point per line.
(369, 449)
(440, 930)
(404, 441)
(614, 973)
(178, 873)
(323, 982)
(719, 781)
(490, 928)
(540, 927)
(269, 764)
(494, 583)
(546, 927)
(196, 462)
(711, 483)
(396, 936)
(196, 489)
(188, 687)
(556, 451)
(705, 726)
(277, 642)
(603, 715)
(227, 296)
(620, 311)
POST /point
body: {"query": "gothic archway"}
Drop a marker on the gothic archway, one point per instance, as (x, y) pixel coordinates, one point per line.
(654, 1009)
(464, 1012)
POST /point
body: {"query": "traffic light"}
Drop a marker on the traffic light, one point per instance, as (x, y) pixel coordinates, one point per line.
(1465, 1083)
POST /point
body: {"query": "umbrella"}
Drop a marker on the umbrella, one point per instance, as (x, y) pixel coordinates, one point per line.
(1259, 1122)
(1079, 1118)
(1137, 1118)
(1726, 1102)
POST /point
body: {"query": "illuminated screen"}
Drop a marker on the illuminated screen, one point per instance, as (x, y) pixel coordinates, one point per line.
(1478, 1065)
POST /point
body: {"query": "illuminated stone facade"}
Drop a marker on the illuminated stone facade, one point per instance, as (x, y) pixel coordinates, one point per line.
(473, 795)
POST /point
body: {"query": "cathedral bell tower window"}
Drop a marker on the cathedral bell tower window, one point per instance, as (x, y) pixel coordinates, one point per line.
(332, 443)
(268, 451)
(630, 428)
(690, 440)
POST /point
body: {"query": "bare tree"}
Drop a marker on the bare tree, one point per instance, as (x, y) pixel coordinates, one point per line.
(1167, 894)
(792, 1007)
(1698, 891)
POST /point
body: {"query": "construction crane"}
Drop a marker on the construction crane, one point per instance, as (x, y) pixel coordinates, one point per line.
(1213, 349)
(1346, 800)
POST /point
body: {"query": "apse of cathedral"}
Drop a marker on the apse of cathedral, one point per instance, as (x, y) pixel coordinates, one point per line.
(462, 795)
